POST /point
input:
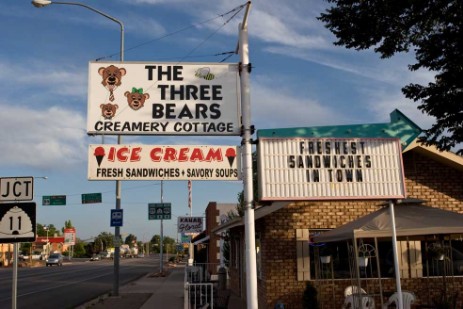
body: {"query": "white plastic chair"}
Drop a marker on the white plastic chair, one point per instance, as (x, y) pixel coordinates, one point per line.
(353, 289)
(357, 298)
(359, 301)
(408, 300)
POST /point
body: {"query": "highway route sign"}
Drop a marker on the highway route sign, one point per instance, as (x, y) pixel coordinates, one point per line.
(18, 222)
(16, 189)
(159, 211)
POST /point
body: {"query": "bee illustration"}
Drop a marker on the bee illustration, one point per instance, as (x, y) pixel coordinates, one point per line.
(204, 73)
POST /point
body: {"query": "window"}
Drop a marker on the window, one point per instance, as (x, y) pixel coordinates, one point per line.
(416, 259)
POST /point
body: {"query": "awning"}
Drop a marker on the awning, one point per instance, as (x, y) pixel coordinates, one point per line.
(411, 220)
(258, 213)
(202, 240)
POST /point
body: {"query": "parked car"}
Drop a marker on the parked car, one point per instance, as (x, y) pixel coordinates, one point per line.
(55, 259)
(95, 257)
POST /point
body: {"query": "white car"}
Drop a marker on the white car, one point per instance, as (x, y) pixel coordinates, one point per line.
(55, 259)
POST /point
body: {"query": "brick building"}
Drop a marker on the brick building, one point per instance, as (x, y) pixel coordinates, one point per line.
(283, 228)
(211, 243)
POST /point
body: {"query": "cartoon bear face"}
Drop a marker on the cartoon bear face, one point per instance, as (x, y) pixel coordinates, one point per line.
(112, 75)
(108, 110)
(136, 98)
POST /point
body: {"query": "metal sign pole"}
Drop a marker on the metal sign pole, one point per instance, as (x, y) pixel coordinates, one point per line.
(251, 267)
(14, 293)
(396, 255)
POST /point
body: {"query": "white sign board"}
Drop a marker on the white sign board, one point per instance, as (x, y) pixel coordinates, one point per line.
(70, 236)
(189, 225)
(163, 99)
(155, 162)
(16, 189)
(330, 168)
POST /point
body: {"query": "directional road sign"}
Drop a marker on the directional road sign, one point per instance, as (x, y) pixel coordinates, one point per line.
(91, 198)
(54, 200)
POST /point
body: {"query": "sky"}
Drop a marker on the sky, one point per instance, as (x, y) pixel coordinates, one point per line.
(299, 78)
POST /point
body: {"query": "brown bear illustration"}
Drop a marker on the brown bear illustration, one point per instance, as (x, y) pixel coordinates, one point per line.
(112, 78)
(136, 98)
(108, 110)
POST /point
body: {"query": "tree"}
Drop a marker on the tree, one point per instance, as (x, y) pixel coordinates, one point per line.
(155, 242)
(67, 225)
(42, 230)
(79, 249)
(434, 31)
(102, 242)
(130, 240)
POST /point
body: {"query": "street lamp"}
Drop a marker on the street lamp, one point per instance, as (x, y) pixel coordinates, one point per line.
(42, 3)
(46, 228)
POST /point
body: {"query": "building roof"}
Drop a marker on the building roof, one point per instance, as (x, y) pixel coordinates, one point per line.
(445, 157)
(50, 239)
(259, 213)
(400, 127)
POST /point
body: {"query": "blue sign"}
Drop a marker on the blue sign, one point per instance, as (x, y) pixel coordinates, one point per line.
(116, 217)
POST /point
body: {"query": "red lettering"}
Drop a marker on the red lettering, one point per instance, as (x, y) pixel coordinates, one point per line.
(111, 154)
(215, 155)
(170, 154)
(122, 154)
(154, 154)
(135, 156)
(196, 155)
(183, 154)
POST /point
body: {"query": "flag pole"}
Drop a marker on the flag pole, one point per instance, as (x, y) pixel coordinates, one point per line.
(190, 202)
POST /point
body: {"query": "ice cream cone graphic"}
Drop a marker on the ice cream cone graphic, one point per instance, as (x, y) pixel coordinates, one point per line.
(230, 154)
(99, 155)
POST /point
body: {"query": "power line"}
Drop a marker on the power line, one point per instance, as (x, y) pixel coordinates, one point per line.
(234, 11)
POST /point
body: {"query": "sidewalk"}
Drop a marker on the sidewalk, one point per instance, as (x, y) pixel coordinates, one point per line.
(153, 291)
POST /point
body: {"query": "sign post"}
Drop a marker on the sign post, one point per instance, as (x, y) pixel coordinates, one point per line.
(249, 227)
(18, 224)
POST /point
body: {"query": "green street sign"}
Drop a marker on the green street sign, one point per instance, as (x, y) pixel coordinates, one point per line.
(159, 211)
(54, 200)
(91, 198)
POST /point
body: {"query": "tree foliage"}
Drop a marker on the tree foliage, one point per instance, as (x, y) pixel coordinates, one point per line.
(67, 225)
(433, 29)
(102, 242)
(130, 240)
(43, 228)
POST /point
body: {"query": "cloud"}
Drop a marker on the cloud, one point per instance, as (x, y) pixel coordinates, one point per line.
(278, 107)
(52, 138)
(62, 79)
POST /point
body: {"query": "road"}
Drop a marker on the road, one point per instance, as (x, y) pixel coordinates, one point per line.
(71, 285)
